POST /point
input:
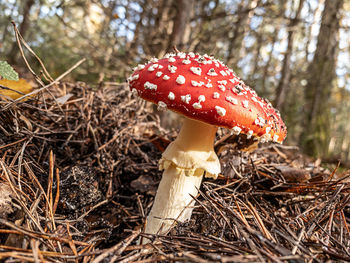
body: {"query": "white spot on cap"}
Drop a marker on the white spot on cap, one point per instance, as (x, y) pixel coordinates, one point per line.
(197, 105)
(160, 67)
(223, 72)
(162, 106)
(172, 68)
(191, 54)
(150, 86)
(221, 111)
(232, 100)
(222, 88)
(268, 129)
(209, 85)
(134, 77)
(196, 70)
(181, 54)
(250, 133)
(154, 60)
(166, 77)
(171, 59)
(196, 83)
(186, 61)
(201, 98)
(180, 80)
(171, 96)
(159, 73)
(140, 67)
(186, 98)
(260, 121)
(234, 80)
(151, 68)
(216, 95)
(236, 130)
(222, 82)
(245, 104)
(200, 59)
(212, 72)
(262, 105)
(251, 91)
(275, 138)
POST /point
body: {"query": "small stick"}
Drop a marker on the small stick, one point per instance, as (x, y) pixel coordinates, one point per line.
(56, 81)
(344, 220)
(20, 38)
(92, 208)
(175, 49)
(7, 88)
(118, 248)
(57, 197)
(295, 248)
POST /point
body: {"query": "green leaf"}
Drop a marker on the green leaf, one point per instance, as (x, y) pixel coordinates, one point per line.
(7, 72)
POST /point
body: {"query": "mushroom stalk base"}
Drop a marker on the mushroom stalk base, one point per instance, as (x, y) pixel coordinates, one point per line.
(173, 201)
(184, 162)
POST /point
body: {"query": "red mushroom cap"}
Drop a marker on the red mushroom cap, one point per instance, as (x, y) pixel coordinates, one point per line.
(203, 88)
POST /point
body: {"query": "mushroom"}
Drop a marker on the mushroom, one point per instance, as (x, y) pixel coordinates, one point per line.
(209, 95)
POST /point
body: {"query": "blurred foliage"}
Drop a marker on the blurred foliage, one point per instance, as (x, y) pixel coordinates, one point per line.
(7, 72)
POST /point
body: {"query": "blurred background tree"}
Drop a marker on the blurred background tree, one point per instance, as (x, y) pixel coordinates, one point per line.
(294, 52)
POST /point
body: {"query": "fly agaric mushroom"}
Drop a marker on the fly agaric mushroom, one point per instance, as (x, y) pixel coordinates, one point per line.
(209, 95)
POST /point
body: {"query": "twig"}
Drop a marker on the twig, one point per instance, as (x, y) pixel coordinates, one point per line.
(117, 249)
(56, 81)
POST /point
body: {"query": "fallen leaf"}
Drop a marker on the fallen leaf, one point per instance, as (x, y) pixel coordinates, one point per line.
(144, 184)
(292, 174)
(14, 89)
(159, 142)
(62, 100)
(5, 200)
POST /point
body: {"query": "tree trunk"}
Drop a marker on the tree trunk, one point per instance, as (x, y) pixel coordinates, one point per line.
(266, 71)
(257, 54)
(321, 73)
(23, 27)
(6, 28)
(159, 27)
(181, 22)
(240, 28)
(282, 87)
(316, 15)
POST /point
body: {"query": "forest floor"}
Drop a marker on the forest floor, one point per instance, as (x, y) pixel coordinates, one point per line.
(78, 174)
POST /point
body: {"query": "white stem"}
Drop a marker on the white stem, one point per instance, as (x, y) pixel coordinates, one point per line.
(173, 201)
(184, 163)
